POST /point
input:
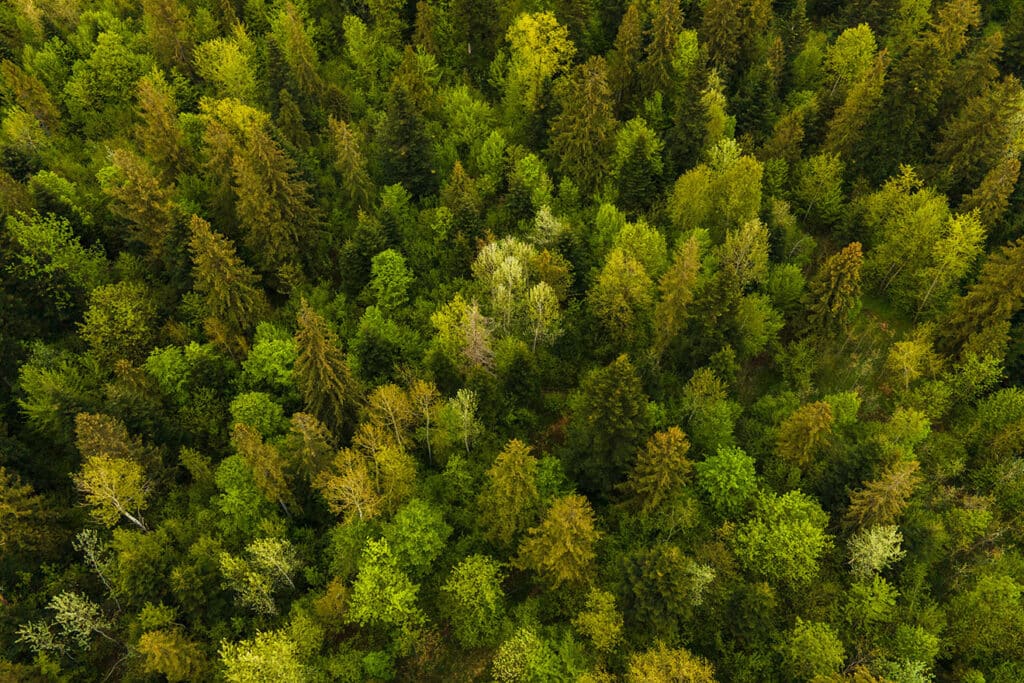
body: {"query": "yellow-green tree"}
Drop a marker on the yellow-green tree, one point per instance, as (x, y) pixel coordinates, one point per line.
(561, 548)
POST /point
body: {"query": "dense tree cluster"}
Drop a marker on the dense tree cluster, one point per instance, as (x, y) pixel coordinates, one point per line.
(450, 340)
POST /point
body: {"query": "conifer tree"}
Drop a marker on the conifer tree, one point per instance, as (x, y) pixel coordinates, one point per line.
(608, 424)
(405, 142)
(231, 289)
(637, 165)
(561, 548)
(139, 197)
(882, 501)
(296, 44)
(158, 134)
(656, 72)
(169, 30)
(984, 132)
(661, 470)
(677, 287)
(991, 198)
(266, 462)
(804, 433)
(321, 373)
(624, 61)
(834, 293)
(351, 164)
(509, 500)
(992, 300)
(582, 134)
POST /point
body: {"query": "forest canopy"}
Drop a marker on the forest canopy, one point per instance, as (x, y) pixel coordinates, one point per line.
(561, 340)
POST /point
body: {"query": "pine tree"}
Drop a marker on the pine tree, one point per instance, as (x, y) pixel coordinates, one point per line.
(321, 373)
(233, 298)
(561, 549)
(637, 165)
(608, 424)
(293, 38)
(834, 293)
(169, 30)
(582, 134)
(24, 515)
(266, 462)
(139, 197)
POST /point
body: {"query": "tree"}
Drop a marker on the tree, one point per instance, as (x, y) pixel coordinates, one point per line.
(474, 601)
(984, 132)
(266, 462)
(169, 30)
(409, 102)
(23, 515)
(991, 198)
(417, 535)
(561, 549)
(624, 60)
(874, 548)
(391, 280)
(321, 373)
(728, 479)
(114, 488)
(992, 300)
(272, 204)
(676, 287)
(138, 196)
(883, 500)
(509, 501)
(784, 540)
(600, 620)
(539, 49)
(812, 649)
(119, 321)
(622, 299)
(637, 165)
(609, 422)
(166, 651)
(268, 566)
(657, 72)
(296, 44)
(350, 162)
(543, 314)
(269, 657)
(383, 595)
(664, 664)
(233, 298)
(804, 433)
(661, 470)
(582, 134)
(834, 293)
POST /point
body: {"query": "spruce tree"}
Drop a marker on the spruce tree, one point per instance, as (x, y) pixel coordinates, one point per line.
(582, 134)
(321, 373)
(233, 298)
(834, 293)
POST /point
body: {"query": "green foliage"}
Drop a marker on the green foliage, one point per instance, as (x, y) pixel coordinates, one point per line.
(651, 340)
(474, 600)
(784, 540)
(728, 480)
